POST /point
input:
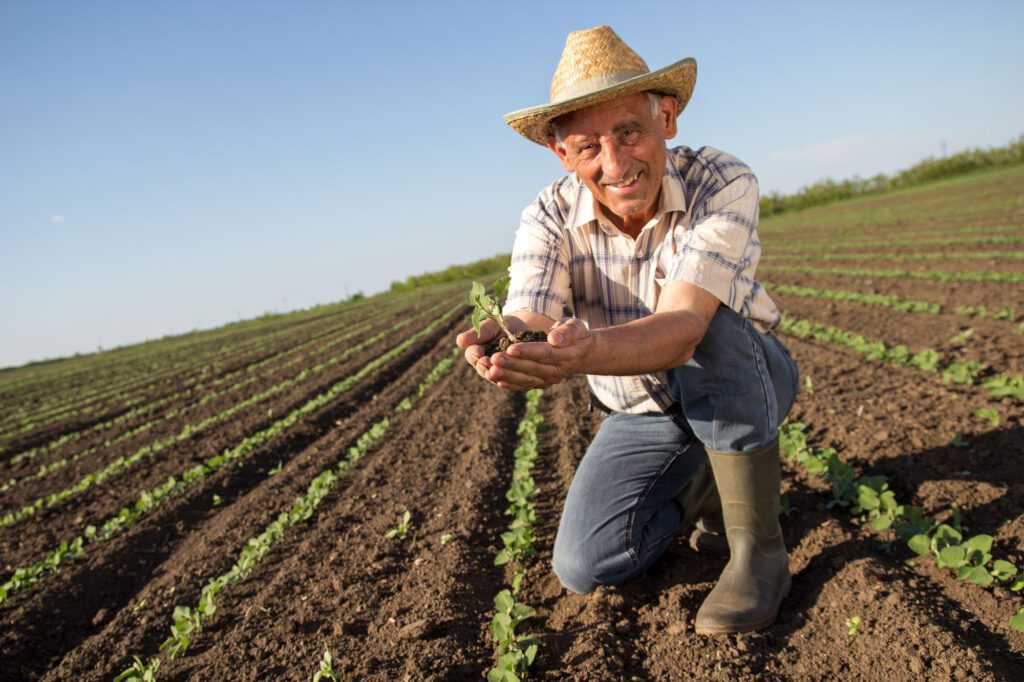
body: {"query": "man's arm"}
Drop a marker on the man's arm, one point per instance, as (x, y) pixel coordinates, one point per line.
(658, 342)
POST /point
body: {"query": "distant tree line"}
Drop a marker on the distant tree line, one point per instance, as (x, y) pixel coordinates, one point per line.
(476, 269)
(828, 191)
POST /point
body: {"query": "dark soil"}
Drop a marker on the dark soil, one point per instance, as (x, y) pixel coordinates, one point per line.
(419, 610)
(502, 343)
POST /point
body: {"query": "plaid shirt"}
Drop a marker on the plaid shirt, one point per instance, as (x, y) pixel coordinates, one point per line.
(704, 232)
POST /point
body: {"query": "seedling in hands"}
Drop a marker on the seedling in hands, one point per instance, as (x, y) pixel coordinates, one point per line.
(489, 306)
(401, 531)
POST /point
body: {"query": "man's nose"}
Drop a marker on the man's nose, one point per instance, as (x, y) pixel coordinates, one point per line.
(615, 163)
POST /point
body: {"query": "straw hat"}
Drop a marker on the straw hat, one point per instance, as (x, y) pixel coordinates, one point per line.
(597, 66)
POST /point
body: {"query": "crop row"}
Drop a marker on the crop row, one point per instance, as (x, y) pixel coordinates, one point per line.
(187, 622)
(780, 243)
(515, 651)
(968, 372)
(870, 498)
(936, 275)
(833, 246)
(149, 500)
(191, 369)
(886, 255)
(337, 336)
(126, 461)
(891, 301)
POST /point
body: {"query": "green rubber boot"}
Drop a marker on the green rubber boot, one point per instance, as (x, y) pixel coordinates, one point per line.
(750, 589)
(702, 510)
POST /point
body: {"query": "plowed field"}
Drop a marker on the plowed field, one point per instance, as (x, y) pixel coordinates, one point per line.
(206, 440)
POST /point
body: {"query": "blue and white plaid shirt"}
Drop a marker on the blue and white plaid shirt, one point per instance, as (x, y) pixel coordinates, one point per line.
(704, 232)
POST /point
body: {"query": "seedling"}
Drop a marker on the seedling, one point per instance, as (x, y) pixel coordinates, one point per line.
(989, 414)
(853, 625)
(959, 441)
(276, 470)
(446, 538)
(217, 501)
(489, 306)
(140, 672)
(401, 531)
(808, 385)
(959, 339)
(326, 671)
(785, 507)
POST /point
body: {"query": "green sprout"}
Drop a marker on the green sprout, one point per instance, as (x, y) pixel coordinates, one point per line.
(853, 625)
(326, 671)
(489, 306)
(989, 414)
(446, 538)
(401, 531)
(140, 672)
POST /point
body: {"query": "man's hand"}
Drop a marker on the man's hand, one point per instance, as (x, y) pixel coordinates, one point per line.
(474, 344)
(542, 364)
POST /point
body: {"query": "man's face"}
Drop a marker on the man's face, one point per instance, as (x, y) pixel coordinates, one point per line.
(617, 149)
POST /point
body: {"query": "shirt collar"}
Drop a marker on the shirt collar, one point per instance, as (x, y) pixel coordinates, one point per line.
(672, 198)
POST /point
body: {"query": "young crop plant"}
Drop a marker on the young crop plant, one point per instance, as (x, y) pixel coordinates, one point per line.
(326, 670)
(174, 485)
(870, 498)
(139, 671)
(853, 625)
(515, 651)
(401, 531)
(488, 306)
(188, 622)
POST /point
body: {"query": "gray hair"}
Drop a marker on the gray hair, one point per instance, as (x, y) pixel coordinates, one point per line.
(653, 102)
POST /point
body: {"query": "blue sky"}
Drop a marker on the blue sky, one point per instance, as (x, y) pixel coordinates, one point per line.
(172, 165)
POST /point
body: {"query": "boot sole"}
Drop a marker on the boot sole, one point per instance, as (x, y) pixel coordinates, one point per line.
(749, 627)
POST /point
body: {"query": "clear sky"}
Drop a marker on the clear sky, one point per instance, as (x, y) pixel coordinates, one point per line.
(166, 166)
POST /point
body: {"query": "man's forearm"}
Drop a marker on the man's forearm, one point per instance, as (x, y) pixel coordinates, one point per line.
(658, 342)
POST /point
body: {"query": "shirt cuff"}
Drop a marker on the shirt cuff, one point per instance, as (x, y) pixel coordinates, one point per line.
(542, 305)
(713, 277)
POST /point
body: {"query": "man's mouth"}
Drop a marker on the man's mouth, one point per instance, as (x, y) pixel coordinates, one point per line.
(626, 183)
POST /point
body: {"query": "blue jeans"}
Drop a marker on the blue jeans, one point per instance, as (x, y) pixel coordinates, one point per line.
(621, 513)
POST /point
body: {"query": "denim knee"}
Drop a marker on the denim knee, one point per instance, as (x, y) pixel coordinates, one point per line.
(574, 574)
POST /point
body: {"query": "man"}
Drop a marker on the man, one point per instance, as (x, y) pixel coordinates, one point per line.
(654, 250)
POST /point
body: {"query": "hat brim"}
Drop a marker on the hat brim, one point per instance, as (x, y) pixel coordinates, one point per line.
(676, 79)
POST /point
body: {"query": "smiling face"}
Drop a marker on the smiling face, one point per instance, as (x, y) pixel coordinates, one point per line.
(617, 149)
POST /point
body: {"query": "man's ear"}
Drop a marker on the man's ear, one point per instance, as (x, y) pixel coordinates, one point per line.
(560, 153)
(667, 115)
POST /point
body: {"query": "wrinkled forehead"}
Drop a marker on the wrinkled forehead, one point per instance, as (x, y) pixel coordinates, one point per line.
(603, 115)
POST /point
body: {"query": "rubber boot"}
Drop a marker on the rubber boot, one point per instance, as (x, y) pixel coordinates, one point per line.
(754, 582)
(703, 508)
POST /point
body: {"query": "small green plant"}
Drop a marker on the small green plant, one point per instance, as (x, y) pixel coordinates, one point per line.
(276, 470)
(515, 651)
(853, 625)
(401, 531)
(140, 672)
(961, 338)
(446, 538)
(959, 441)
(808, 385)
(785, 506)
(988, 414)
(326, 671)
(217, 501)
(489, 306)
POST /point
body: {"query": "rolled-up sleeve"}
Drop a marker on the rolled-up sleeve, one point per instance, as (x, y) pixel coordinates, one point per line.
(720, 251)
(539, 271)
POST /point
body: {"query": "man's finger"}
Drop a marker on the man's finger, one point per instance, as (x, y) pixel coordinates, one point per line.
(503, 375)
(540, 351)
(566, 332)
(546, 371)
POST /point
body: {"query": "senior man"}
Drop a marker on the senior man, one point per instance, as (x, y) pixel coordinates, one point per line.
(654, 250)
